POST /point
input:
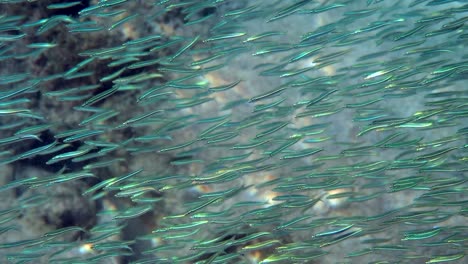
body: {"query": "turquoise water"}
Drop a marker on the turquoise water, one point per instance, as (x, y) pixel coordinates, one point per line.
(233, 131)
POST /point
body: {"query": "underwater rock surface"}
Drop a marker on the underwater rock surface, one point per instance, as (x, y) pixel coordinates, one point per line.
(227, 131)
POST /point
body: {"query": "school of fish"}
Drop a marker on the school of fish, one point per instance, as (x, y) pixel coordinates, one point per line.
(297, 131)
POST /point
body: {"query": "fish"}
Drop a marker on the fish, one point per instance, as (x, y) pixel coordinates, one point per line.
(269, 132)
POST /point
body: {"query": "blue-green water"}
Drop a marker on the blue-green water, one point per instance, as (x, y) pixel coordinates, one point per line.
(233, 131)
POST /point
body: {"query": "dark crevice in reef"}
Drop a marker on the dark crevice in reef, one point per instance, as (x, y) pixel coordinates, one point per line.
(70, 11)
(171, 15)
(207, 11)
(135, 228)
(40, 7)
(47, 137)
